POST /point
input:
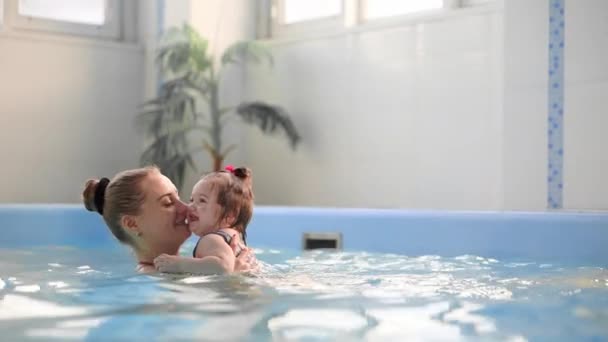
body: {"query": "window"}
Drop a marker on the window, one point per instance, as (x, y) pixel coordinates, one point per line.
(294, 11)
(373, 9)
(293, 17)
(99, 18)
(91, 12)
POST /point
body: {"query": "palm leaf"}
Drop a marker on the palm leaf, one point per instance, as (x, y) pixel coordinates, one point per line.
(170, 153)
(183, 50)
(250, 51)
(269, 119)
(198, 48)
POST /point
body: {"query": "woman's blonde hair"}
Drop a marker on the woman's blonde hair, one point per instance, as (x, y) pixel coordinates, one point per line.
(123, 195)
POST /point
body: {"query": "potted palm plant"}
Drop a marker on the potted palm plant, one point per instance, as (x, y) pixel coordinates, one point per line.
(187, 117)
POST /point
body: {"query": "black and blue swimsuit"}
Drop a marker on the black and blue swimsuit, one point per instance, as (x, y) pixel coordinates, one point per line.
(227, 237)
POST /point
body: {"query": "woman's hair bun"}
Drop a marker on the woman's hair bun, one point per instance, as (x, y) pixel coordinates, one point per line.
(88, 194)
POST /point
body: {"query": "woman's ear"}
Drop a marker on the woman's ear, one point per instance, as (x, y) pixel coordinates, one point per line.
(130, 224)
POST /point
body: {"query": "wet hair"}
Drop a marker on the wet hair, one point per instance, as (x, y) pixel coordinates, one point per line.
(234, 195)
(123, 195)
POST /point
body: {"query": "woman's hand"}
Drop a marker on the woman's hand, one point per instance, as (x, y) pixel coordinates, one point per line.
(167, 263)
(245, 261)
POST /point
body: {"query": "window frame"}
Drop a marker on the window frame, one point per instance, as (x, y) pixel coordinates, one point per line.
(362, 17)
(271, 24)
(110, 30)
(2, 14)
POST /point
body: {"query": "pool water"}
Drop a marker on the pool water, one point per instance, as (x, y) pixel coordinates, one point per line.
(66, 293)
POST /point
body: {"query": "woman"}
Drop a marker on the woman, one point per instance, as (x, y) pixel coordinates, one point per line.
(143, 210)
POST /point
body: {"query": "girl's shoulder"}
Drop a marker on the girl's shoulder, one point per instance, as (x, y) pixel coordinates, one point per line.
(227, 234)
(230, 231)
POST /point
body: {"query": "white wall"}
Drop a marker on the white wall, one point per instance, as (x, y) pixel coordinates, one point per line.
(585, 120)
(66, 114)
(444, 114)
(404, 116)
(526, 26)
(586, 105)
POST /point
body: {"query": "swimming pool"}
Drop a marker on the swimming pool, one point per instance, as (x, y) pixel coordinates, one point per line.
(402, 275)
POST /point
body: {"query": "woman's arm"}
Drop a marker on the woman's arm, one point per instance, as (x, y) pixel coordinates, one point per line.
(177, 264)
(217, 258)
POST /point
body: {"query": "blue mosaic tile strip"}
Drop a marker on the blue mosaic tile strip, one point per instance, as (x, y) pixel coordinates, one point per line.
(555, 183)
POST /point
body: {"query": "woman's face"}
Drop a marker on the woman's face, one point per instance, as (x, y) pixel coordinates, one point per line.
(162, 220)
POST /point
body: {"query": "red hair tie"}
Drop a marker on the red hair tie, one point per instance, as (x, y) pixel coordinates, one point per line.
(229, 168)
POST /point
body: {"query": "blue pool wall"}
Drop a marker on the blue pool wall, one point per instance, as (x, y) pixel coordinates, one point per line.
(580, 237)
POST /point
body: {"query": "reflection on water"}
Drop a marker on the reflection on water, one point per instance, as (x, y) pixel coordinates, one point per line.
(68, 293)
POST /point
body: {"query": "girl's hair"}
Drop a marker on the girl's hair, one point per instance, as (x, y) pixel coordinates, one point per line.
(123, 195)
(234, 195)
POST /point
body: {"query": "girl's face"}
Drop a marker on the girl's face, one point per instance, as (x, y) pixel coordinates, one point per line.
(204, 213)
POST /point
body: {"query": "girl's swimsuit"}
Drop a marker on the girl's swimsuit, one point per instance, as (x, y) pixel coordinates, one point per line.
(227, 237)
